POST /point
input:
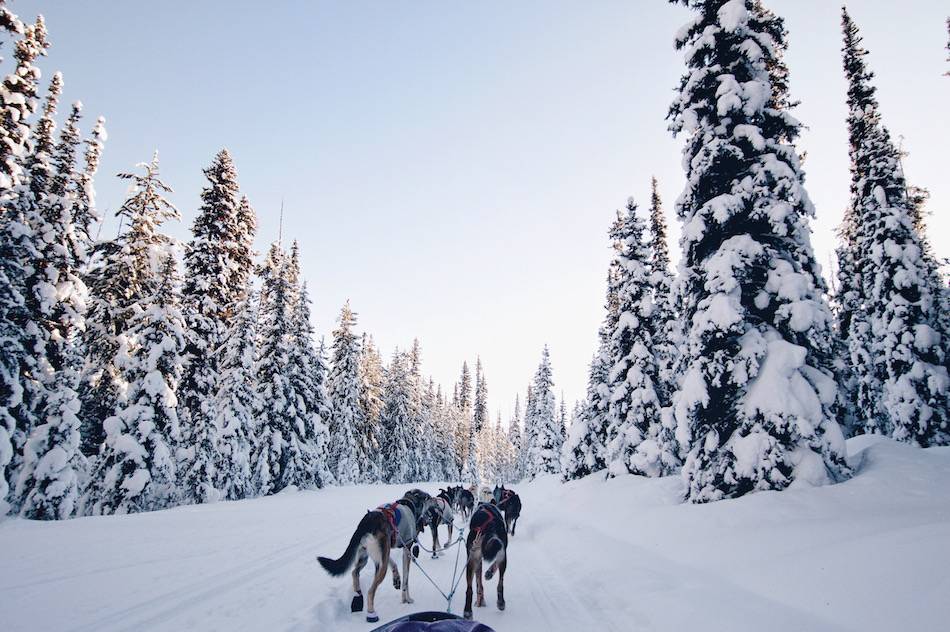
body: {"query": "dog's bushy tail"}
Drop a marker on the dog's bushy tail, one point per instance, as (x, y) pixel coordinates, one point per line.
(339, 566)
(492, 548)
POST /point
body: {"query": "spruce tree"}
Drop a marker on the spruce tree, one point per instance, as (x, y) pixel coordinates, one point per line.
(55, 300)
(348, 446)
(515, 441)
(637, 440)
(891, 292)
(133, 316)
(371, 406)
(757, 402)
(463, 428)
(308, 383)
(137, 470)
(21, 389)
(661, 281)
(480, 406)
(236, 401)
(209, 300)
(396, 422)
(18, 99)
(544, 455)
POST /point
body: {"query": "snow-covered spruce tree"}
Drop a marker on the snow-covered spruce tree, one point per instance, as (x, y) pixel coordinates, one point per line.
(528, 435)
(18, 99)
(9, 22)
(756, 405)
(515, 441)
(896, 335)
(562, 423)
(85, 214)
(664, 314)
(126, 280)
(544, 455)
(236, 401)
(122, 274)
(347, 445)
(371, 405)
(137, 470)
(398, 441)
(308, 383)
(480, 404)
(637, 441)
(464, 404)
(24, 190)
(270, 380)
(55, 299)
(208, 300)
(470, 473)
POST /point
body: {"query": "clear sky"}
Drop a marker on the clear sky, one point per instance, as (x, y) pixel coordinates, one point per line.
(452, 167)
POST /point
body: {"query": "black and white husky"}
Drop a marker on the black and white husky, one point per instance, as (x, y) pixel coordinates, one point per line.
(510, 503)
(441, 512)
(391, 525)
(487, 542)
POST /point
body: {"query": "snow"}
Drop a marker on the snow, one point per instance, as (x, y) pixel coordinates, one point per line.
(733, 14)
(867, 554)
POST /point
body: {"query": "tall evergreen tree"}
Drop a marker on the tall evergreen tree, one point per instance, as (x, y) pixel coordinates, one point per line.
(464, 426)
(891, 291)
(480, 405)
(665, 317)
(137, 470)
(236, 401)
(757, 402)
(515, 438)
(282, 457)
(544, 456)
(133, 303)
(18, 98)
(396, 422)
(637, 440)
(22, 388)
(55, 299)
(347, 444)
(209, 299)
(371, 404)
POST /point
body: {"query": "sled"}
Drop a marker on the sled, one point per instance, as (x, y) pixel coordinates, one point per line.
(432, 622)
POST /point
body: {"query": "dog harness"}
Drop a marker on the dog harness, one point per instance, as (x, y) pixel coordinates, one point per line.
(394, 516)
(490, 513)
(506, 495)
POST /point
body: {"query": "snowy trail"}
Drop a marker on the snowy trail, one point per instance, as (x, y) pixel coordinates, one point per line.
(869, 554)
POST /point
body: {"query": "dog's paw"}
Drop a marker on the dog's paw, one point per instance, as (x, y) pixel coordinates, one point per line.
(357, 604)
(407, 599)
(467, 614)
(372, 617)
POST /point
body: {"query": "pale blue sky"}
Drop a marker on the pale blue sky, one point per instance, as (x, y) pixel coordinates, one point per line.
(452, 167)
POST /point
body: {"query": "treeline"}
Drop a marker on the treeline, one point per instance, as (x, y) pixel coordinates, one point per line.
(140, 373)
(744, 371)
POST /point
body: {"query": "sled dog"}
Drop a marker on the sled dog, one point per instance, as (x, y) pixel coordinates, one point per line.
(441, 511)
(487, 542)
(510, 503)
(391, 525)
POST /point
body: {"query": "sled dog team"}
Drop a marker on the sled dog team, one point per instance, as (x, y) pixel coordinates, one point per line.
(398, 525)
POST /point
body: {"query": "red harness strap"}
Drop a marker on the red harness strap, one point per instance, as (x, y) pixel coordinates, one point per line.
(389, 512)
(480, 528)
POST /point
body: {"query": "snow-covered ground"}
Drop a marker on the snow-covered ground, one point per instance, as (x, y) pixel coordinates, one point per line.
(869, 554)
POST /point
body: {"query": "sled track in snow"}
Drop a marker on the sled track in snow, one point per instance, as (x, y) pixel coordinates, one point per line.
(172, 604)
